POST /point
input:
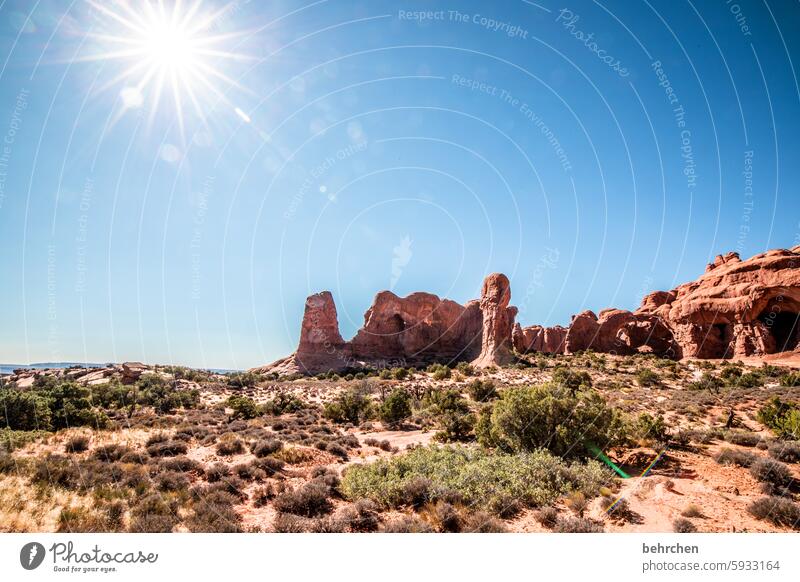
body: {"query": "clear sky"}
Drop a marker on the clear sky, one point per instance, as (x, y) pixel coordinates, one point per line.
(592, 151)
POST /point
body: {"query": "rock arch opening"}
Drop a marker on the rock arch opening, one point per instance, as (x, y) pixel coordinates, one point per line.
(397, 324)
(783, 323)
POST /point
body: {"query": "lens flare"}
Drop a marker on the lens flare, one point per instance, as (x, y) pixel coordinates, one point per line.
(166, 49)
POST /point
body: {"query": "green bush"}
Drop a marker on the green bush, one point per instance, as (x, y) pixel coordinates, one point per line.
(647, 377)
(353, 405)
(551, 416)
(243, 379)
(155, 391)
(750, 380)
(478, 477)
(482, 390)
(396, 407)
(707, 381)
(243, 407)
(571, 380)
(790, 379)
(439, 371)
(451, 413)
(782, 417)
(283, 403)
(24, 410)
(400, 373)
(465, 369)
(50, 404)
(651, 428)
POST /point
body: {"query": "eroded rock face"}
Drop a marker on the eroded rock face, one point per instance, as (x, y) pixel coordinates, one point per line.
(321, 345)
(582, 332)
(418, 329)
(736, 308)
(398, 331)
(498, 322)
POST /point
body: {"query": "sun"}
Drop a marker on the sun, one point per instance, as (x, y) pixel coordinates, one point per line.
(165, 48)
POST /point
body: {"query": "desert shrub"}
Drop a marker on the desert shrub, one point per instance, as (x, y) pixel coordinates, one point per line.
(183, 465)
(242, 407)
(692, 510)
(396, 407)
(295, 455)
(290, 523)
(451, 414)
(571, 380)
(577, 503)
(362, 516)
(407, 524)
(478, 477)
(439, 371)
(82, 520)
(647, 377)
(552, 416)
(547, 516)
(482, 390)
(11, 439)
(24, 410)
(749, 380)
(782, 417)
(154, 513)
(230, 446)
(576, 525)
(111, 453)
(651, 428)
(266, 447)
(707, 381)
(214, 513)
(727, 456)
(786, 451)
(778, 510)
(444, 517)
(163, 396)
(454, 425)
(217, 472)
(400, 373)
(771, 471)
(249, 471)
(353, 405)
(172, 481)
(168, 448)
(790, 379)
(243, 379)
(465, 369)
(683, 525)
(742, 438)
(8, 464)
(283, 403)
(77, 444)
(270, 465)
(337, 449)
(310, 500)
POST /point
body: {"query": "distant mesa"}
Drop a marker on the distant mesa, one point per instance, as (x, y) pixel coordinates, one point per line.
(736, 308)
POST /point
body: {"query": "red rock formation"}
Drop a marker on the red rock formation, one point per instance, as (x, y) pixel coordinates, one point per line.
(321, 345)
(582, 332)
(737, 308)
(498, 322)
(398, 331)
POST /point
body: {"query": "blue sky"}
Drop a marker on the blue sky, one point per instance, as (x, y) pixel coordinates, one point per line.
(592, 151)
